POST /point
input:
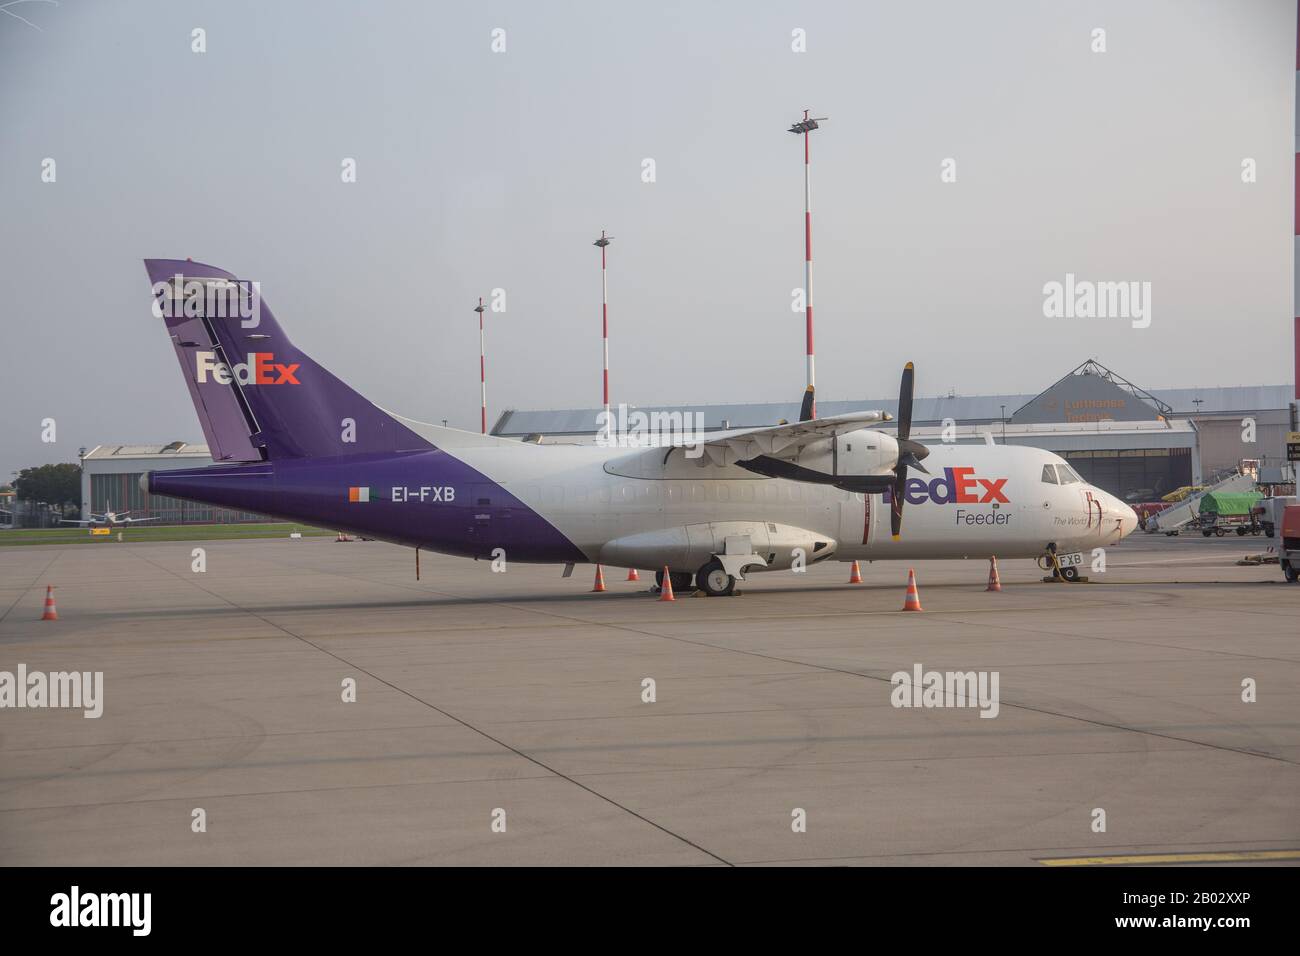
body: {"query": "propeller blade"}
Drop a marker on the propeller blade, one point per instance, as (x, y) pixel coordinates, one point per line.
(806, 409)
(909, 452)
(905, 403)
(896, 501)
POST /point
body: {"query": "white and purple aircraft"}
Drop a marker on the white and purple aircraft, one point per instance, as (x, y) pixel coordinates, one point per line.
(292, 441)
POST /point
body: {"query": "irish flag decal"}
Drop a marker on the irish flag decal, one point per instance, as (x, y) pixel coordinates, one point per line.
(358, 494)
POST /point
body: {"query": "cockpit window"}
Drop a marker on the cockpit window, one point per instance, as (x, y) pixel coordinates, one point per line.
(1067, 474)
(1049, 475)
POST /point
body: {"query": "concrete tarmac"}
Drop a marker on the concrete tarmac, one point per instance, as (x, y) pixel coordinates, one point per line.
(487, 698)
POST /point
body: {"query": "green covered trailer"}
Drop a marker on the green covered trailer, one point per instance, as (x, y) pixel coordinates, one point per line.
(1229, 504)
(1224, 510)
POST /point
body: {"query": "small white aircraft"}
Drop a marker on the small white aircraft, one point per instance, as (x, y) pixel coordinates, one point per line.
(109, 519)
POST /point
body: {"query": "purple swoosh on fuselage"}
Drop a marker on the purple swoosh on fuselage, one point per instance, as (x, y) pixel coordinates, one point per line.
(477, 516)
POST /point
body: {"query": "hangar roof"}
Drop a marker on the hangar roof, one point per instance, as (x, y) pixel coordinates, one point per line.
(175, 449)
(971, 409)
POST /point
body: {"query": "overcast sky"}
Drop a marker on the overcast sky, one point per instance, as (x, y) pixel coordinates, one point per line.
(479, 170)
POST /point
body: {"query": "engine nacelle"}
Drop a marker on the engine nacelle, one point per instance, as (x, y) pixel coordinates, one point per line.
(865, 453)
(861, 461)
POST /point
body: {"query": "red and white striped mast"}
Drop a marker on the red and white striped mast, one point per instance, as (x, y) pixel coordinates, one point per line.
(482, 365)
(603, 242)
(1295, 334)
(806, 126)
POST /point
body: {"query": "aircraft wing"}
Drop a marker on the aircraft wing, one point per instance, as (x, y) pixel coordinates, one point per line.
(138, 520)
(729, 447)
(78, 521)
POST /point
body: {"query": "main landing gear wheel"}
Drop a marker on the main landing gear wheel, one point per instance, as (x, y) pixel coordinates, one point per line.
(714, 580)
(682, 581)
(1070, 574)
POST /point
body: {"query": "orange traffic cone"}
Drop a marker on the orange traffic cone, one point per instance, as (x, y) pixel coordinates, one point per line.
(51, 612)
(600, 581)
(666, 592)
(995, 582)
(632, 575)
(913, 600)
(855, 576)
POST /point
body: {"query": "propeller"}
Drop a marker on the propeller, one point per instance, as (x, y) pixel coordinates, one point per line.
(910, 452)
(806, 409)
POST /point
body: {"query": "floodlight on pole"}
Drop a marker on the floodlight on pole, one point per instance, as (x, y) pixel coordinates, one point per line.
(804, 127)
(482, 366)
(603, 242)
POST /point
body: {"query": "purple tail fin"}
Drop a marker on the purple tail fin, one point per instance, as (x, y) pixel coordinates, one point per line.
(258, 396)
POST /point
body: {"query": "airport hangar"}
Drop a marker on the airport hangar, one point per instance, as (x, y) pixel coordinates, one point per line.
(1133, 443)
(110, 479)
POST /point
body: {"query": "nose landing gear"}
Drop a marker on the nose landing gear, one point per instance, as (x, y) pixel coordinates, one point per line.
(1061, 573)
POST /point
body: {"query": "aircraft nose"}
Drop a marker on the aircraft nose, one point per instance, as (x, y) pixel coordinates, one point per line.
(1128, 519)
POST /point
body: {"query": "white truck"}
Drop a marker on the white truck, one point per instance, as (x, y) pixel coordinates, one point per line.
(1268, 511)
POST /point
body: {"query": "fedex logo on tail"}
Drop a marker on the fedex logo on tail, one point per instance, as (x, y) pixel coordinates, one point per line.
(955, 485)
(258, 370)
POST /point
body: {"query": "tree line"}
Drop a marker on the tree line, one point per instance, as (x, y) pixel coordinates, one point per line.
(57, 485)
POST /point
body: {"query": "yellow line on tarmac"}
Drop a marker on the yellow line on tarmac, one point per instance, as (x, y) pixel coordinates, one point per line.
(1227, 856)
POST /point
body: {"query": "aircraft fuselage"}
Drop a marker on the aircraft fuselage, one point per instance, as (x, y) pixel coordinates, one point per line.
(561, 503)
